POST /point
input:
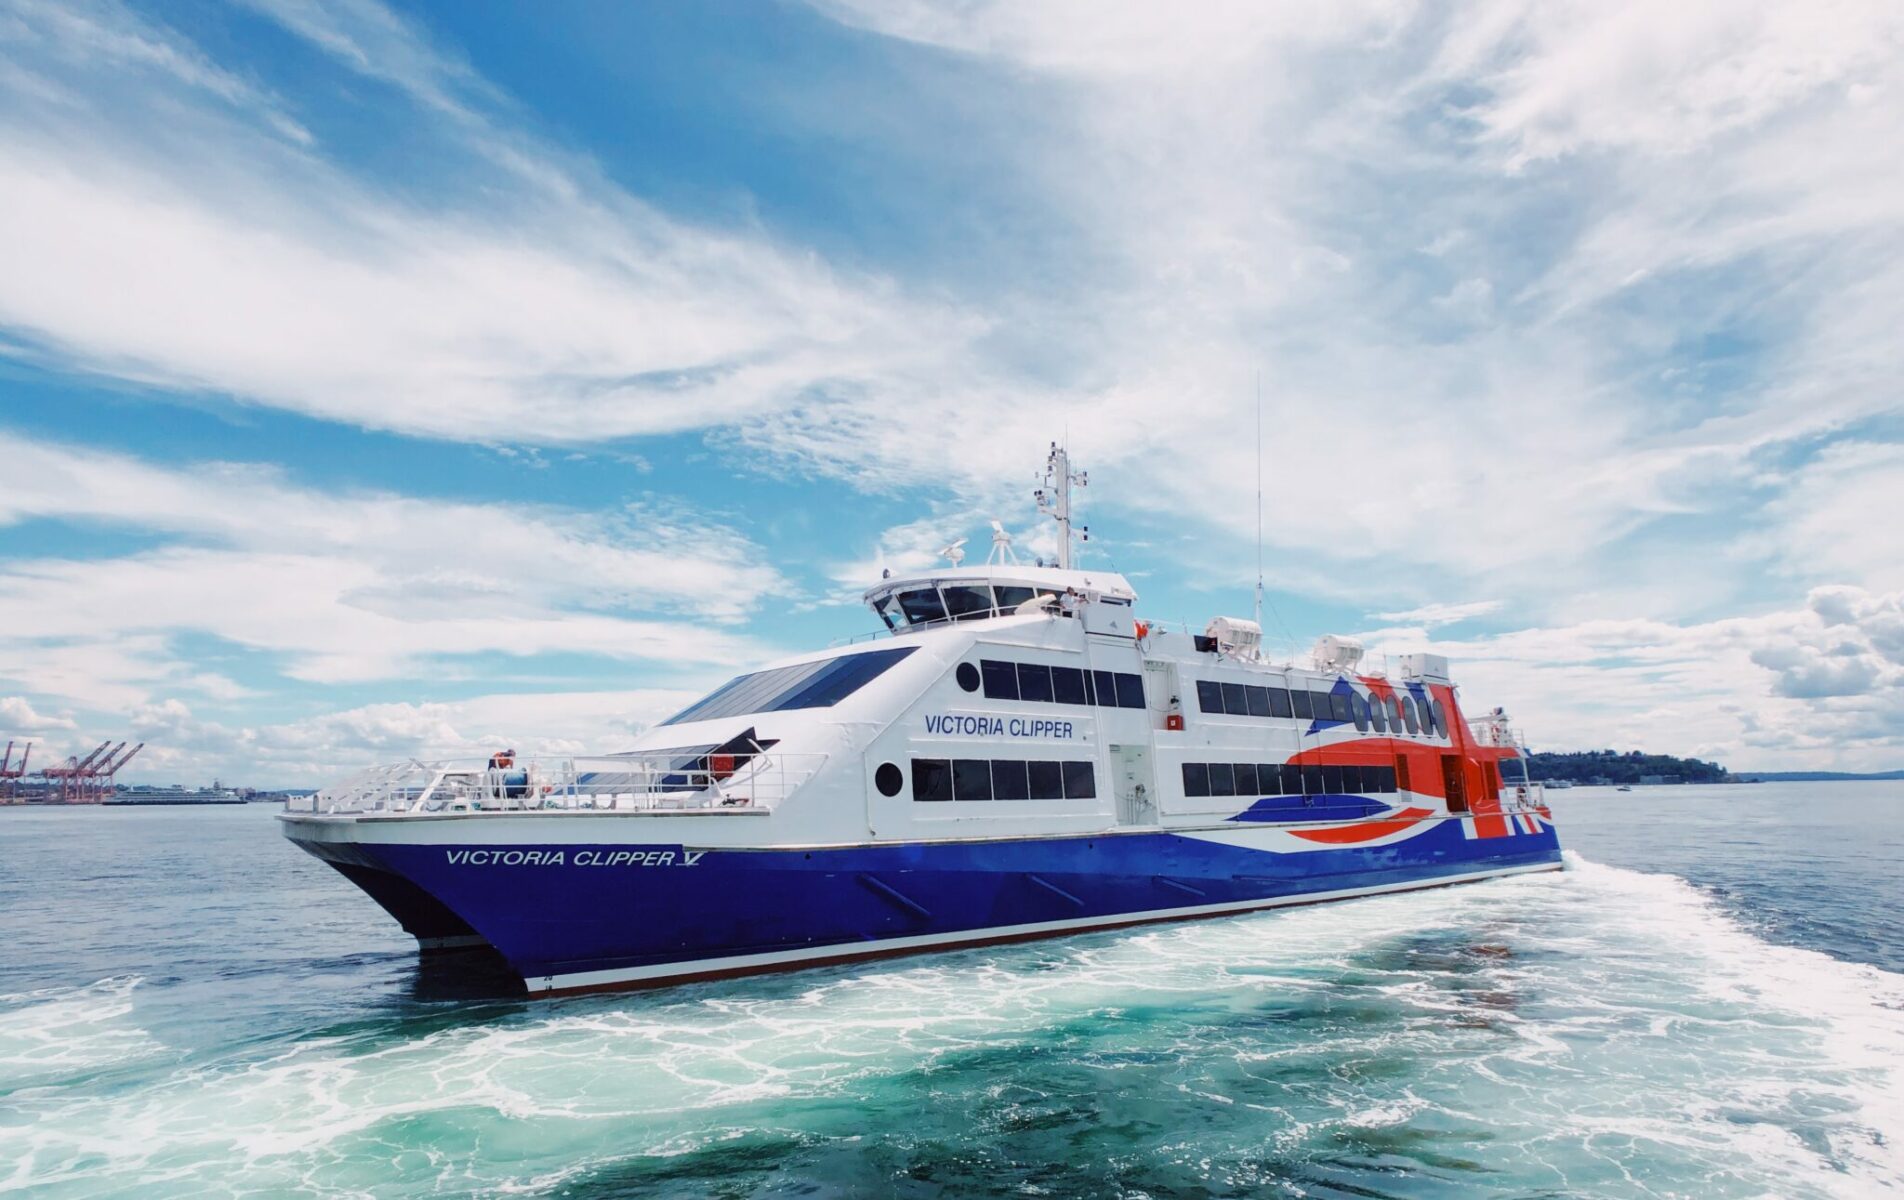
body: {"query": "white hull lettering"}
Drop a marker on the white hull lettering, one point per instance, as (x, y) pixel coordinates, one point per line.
(582, 858)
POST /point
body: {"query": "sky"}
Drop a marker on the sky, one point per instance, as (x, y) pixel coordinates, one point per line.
(386, 381)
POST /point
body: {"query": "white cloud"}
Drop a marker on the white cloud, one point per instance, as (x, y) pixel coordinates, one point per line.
(1444, 614)
(348, 588)
(17, 716)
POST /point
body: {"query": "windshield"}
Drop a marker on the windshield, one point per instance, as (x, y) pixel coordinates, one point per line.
(819, 684)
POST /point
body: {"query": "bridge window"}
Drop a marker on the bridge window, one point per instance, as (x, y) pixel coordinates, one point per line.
(1441, 717)
(1339, 706)
(922, 605)
(1360, 707)
(1209, 696)
(819, 684)
(1011, 596)
(1067, 685)
(967, 602)
(1378, 714)
(1394, 714)
(1408, 715)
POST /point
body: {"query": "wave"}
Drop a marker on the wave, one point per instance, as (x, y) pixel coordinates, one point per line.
(1598, 1030)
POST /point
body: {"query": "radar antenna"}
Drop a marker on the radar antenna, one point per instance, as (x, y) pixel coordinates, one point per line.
(1054, 500)
(1002, 551)
(954, 553)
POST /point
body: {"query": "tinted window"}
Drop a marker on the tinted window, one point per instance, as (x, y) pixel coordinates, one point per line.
(1104, 688)
(1278, 701)
(1352, 780)
(1222, 780)
(1130, 691)
(1235, 701)
(807, 685)
(1009, 598)
(1299, 703)
(1394, 715)
(1408, 714)
(968, 677)
(971, 779)
(1292, 779)
(1034, 682)
(967, 601)
(1090, 686)
(931, 779)
(1258, 700)
(1245, 779)
(922, 606)
(1009, 781)
(1384, 779)
(1047, 780)
(1332, 780)
(1080, 782)
(1209, 696)
(1268, 779)
(1339, 707)
(1440, 711)
(1067, 685)
(1312, 781)
(1361, 711)
(1378, 714)
(1196, 779)
(1001, 679)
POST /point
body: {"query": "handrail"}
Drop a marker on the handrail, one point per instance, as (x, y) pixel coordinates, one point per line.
(665, 780)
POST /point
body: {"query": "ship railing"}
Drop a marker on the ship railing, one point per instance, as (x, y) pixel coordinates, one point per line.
(635, 782)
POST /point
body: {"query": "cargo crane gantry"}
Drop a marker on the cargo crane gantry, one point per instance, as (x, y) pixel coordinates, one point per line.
(9, 772)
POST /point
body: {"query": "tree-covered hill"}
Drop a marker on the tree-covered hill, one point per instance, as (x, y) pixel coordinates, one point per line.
(1610, 766)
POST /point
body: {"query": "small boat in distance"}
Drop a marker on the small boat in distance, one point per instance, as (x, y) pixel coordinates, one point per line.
(1018, 754)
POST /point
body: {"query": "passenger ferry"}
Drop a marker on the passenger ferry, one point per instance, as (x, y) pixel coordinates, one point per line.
(1018, 754)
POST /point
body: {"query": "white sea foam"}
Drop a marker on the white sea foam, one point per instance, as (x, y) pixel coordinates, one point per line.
(1596, 1030)
(54, 1032)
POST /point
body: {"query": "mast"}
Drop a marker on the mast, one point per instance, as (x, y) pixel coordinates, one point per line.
(1054, 500)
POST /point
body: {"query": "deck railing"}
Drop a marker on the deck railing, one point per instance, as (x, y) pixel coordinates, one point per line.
(657, 782)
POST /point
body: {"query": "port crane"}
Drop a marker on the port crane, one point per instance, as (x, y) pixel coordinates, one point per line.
(9, 772)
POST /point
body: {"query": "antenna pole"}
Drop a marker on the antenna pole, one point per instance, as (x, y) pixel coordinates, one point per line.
(1057, 505)
(1259, 498)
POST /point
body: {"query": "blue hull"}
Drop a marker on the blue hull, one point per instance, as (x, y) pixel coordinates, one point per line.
(575, 917)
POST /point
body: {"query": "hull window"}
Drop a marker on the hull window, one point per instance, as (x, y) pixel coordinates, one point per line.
(1034, 682)
(1001, 680)
(1010, 780)
(971, 779)
(1222, 779)
(1067, 685)
(1047, 781)
(931, 779)
(1196, 779)
(1080, 781)
(1245, 779)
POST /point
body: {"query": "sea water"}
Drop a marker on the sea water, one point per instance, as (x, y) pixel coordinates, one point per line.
(1704, 1004)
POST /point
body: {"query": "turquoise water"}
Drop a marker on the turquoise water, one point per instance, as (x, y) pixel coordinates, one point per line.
(1705, 1004)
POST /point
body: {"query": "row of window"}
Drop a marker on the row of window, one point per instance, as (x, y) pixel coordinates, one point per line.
(1366, 712)
(1052, 685)
(1002, 779)
(1287, 779)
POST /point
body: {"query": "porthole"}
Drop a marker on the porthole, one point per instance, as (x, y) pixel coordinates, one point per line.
(968, 679)
(889, 779)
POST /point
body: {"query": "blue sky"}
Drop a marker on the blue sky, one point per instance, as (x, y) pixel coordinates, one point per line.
(391, 380)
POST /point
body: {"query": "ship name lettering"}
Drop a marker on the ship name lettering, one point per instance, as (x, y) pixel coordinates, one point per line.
(966, 725)
(582, 858)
